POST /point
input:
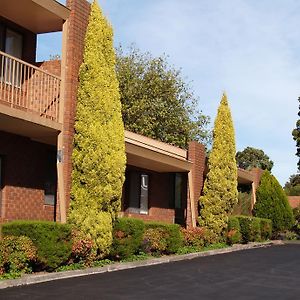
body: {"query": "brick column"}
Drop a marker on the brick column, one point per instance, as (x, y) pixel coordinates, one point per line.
(257, 173)
(196, 154)
(77, 24)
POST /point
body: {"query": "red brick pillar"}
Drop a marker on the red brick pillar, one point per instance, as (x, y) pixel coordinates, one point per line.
(196, 154)
(257, 173)
(77, 24)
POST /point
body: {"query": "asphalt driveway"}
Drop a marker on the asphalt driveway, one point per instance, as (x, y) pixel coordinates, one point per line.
(265, 273)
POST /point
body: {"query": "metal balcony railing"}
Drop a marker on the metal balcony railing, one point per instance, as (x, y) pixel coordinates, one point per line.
(28, 88)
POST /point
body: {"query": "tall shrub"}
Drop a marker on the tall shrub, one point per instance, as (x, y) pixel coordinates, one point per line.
(272, 203)
(220, 188)
(99, 150)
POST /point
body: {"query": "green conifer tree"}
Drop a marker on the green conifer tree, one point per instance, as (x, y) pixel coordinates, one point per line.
(99, 149)
(272, 203)
(220, 188)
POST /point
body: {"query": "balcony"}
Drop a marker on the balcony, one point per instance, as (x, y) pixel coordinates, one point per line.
(29, 100)
(28, 88)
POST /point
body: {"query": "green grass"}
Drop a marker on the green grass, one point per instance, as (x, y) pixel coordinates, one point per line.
(190, 249)
(11, 275)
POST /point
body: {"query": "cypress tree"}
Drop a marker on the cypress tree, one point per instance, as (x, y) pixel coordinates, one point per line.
(220, 187)
(296, 136)
(99, 148)
(272, 203)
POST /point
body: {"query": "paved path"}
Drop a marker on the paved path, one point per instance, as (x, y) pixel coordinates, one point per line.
(265, 273)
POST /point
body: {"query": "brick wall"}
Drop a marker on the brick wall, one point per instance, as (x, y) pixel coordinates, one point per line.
(196, 154)
(294, 201)
(257, 172)
(24, 174)
(51, 66)
(78, 21)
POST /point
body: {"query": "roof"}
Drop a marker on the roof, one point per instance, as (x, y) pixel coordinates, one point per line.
(154, 155)
(38, 16)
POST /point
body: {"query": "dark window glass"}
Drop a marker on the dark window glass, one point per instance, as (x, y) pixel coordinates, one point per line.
(138, 192)
(178, 191)
(50, 179)
(13, 43)
(1, 37)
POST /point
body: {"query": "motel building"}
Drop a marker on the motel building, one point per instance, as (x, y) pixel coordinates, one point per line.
(37, 112)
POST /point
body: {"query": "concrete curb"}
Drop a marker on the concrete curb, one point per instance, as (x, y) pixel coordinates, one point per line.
(39, 278)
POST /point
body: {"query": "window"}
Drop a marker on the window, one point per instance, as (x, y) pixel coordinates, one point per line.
(1, 37)
(50, 183)
(138, 187)
(178, 190)
(11, 42)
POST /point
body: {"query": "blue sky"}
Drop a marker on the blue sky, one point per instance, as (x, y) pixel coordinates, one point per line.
(250, 49)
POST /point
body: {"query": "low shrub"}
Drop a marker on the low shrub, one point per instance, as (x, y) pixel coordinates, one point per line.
(83, 249)
(154, 241)
(17, 255)
(296, 213)
(286, 235)
(250, 228)
(52, 240)
(168, 234)
(233, 235)
(127, 237)
(193, 237)
(266, 229)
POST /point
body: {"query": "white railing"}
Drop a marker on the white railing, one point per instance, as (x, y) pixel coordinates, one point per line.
(26, 87)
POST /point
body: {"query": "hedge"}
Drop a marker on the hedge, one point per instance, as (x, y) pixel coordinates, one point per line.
(52, 240)
(127, 237)
(266, 228)
(234, 235)
(250, 228)
(168, 234)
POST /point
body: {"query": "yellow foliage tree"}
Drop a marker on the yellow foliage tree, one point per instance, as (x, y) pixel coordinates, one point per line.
(99, 147)
(220, 188)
